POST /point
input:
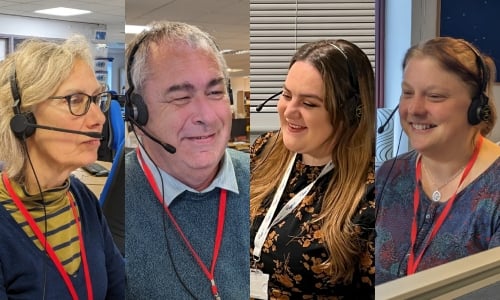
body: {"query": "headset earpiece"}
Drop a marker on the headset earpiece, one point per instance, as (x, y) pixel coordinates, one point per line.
(21, 123)
(479, 109)
(355, 110)
(136, 110)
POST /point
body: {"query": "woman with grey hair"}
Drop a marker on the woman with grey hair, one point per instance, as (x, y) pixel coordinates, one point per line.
(55, 242)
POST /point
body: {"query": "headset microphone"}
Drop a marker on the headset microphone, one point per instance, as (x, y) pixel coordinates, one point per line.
(169, 148)
(382, 127)
(22, 127)
(260, 106)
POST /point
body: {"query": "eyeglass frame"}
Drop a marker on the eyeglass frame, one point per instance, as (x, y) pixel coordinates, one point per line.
(90, 99)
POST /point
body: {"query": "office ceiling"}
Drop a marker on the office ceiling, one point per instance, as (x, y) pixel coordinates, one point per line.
(109, 12)
(226, 20)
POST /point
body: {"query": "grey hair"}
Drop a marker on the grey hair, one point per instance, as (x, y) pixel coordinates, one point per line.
(169, 32)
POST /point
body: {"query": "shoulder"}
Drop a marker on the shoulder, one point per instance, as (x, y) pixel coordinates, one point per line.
(86, 200)
(80, 190)
(261, 142)
(240, 160)
(131, 163)
(405, 162)
(238, 156)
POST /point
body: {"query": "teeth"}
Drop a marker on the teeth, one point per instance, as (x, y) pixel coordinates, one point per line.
(295, 126)
(422, 126)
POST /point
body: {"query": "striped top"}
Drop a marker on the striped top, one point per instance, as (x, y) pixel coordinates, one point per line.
(55, 219)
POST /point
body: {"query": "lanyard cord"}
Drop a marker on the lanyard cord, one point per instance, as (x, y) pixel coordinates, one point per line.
(270, 219)
(218, 235)
(48, 248)
(412, 263)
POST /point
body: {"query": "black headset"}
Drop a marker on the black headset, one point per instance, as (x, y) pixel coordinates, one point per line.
(479, 109)
(353, 109)
(136, 110)
(20, 122)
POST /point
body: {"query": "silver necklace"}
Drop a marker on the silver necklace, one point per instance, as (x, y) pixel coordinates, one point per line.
(436, 194)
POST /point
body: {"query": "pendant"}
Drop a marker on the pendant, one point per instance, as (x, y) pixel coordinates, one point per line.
(436, 196)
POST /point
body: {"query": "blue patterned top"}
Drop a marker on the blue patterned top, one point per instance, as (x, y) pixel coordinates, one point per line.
(473, 224)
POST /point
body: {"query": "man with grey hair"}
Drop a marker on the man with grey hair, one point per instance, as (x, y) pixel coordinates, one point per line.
(186, 193)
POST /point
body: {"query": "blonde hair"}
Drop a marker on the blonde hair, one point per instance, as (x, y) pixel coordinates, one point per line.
(38, 67)
(352, 154)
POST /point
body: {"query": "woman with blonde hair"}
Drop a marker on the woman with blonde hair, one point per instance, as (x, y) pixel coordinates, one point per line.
(55, 242)
(311, 199)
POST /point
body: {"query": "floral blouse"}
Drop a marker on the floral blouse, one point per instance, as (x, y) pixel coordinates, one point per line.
(472, 226)
(294, 249)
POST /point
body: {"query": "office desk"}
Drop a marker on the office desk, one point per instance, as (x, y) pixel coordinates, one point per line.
(95, 184)
(241, 146)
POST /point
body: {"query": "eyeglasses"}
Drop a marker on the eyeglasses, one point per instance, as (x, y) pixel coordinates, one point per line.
(79, 103)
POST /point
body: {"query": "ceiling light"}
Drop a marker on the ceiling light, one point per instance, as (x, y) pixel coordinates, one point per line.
(135, 29)
(63, 11)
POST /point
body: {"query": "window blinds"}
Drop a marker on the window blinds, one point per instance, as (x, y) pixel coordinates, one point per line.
(279, 27)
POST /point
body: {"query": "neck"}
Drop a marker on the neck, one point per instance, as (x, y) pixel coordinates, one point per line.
(200, 181)
(311, 160)
(43, 175)
(43, 180)
(446, 163)
(197, 179)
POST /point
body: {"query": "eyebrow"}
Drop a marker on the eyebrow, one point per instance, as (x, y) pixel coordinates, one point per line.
(189, 87)
(314, 96)
(73, 91)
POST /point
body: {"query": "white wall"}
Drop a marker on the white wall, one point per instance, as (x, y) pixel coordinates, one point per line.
(398, 28)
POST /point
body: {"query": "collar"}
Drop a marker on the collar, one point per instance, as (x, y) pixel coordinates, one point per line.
(172, 188)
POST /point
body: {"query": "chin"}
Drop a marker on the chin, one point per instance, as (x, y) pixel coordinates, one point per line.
(89, 160)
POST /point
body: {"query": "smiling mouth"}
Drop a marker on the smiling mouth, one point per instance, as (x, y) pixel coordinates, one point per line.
(294, 126)
(201, 137)
(422, 126)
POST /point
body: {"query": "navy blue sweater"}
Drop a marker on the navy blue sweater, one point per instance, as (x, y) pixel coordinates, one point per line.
(25, 271)
(158, 263)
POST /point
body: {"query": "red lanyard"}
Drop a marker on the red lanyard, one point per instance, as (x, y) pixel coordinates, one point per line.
(412, 263)
(218, 235)
(48, 248)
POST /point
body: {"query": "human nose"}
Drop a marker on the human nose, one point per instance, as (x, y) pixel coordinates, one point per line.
(204, 111)
(290, 107)
(417, 105)
(96, 113)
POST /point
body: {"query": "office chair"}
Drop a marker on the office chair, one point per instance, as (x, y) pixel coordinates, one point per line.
(113, 192)
(112, 199)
